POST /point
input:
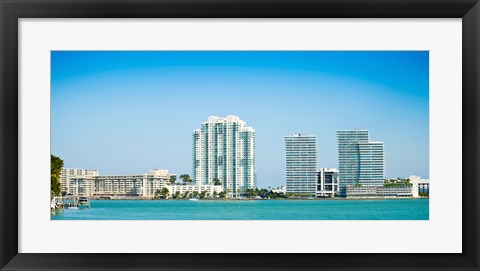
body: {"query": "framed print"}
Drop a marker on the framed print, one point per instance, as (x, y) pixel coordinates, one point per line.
(239, 135)
(230, 179)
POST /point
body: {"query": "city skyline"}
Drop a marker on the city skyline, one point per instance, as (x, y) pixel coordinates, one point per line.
(127, 112)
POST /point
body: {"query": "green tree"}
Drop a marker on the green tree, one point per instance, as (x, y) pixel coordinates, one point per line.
(176, 195)
(222, 194)
(217, 181)
(203, 194)
(195, 194)
(56, 165)
(173, 179)
(215, 194)
(185, 178)
(165, 192)
(263, 193)
(187, 193)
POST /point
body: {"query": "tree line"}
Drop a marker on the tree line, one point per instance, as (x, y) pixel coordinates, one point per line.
(165, 193)
(187, 180)
(56, 165)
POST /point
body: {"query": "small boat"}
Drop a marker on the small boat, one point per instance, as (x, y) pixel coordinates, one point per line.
(193, 199)
(83, 202)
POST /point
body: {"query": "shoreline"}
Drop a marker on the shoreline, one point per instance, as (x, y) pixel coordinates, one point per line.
(279, 199)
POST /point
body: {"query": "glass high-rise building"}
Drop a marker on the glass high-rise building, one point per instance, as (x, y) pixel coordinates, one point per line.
(301, 164)
(360, 161)
(372, 163)
(224, 148)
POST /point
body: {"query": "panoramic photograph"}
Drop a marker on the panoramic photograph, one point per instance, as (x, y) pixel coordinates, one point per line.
(239, 135)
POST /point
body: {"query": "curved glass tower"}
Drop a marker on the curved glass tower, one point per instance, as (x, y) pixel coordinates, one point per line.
(360, 161)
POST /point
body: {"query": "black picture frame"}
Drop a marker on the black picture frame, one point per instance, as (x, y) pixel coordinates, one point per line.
(12, 10)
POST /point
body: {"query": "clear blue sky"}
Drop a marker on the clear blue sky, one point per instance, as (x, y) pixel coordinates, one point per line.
(128, 112)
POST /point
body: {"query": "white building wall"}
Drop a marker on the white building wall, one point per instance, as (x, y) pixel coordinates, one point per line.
(172, 189)
(366, 191)
(328, 188)
(68, 173)
(414, 180)
(143, 185)
(81, 185)
(419, 185)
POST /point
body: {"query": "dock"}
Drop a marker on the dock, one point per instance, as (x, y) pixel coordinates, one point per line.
(69, 202)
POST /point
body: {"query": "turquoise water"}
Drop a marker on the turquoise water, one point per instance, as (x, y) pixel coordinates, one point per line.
(384, 209)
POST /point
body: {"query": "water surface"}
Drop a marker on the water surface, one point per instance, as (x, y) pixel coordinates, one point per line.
(378, 209)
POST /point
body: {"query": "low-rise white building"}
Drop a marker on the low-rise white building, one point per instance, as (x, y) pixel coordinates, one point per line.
(182, 189)
(142, 185)
(90, 183)
(67, 173)
(280, 190)
(81, 185)
(419, 186)
(366, 191)
(327, 182)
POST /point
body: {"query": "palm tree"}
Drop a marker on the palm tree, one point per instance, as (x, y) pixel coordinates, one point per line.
(177, 195)
(204, 194)
(165, 192)
(173, 179)
(185, 178)
(157, 193)
(216, 181)
(249, 192)
(56, 165)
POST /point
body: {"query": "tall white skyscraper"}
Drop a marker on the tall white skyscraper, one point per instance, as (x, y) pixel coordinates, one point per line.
(360, 161)
(224, 148)
(301, 164)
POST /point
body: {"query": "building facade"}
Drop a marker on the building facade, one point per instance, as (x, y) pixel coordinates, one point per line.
(367, 191)
(67, 173)
(372, 163)
(420, 187)
(118, 186)
(182, 189)
(301, 164)
(280, 189)
(327, 182)
(360, 161)
(224, 148)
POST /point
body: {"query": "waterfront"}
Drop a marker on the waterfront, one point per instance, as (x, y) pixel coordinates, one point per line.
(365, 209)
